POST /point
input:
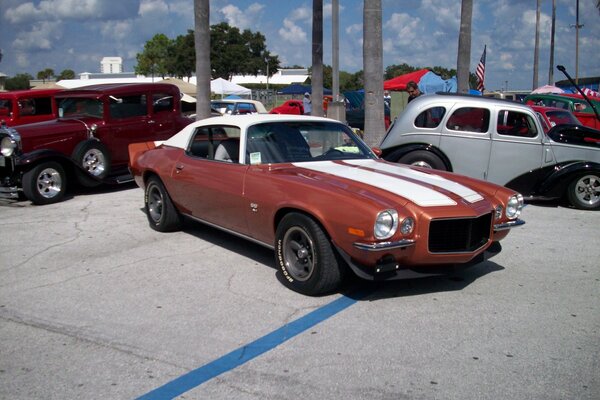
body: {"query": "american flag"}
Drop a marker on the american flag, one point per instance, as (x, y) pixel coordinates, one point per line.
(481, 71)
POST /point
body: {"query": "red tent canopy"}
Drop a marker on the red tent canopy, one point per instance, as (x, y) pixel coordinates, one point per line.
(399, 82)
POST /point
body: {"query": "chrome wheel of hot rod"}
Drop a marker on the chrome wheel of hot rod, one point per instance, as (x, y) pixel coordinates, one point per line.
(584, 192)
(305, 256)
(162, 214)
(45, 183)
(94, 159)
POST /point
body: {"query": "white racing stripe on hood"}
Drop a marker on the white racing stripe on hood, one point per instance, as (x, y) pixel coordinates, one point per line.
(460, 190)
(418, 194)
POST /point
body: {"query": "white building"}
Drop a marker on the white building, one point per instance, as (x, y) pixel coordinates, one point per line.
(111, 65)
(281, 77)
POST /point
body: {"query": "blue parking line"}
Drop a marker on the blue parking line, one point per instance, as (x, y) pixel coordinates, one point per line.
(250, 351)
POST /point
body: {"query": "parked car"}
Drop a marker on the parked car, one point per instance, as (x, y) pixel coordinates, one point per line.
(238, 106)
(501, 142)
(572, 102)
(552, 116)
(294, 107)
(27, 106)
(309, 188)
(88, 142)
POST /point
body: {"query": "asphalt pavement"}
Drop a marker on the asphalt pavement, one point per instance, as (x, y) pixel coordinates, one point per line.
(96, 305)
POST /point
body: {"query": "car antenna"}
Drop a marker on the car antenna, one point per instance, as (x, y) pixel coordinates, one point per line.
(562, 69)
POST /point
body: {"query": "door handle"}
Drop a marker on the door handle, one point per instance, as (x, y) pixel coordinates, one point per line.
(178, 168)
(151, 121)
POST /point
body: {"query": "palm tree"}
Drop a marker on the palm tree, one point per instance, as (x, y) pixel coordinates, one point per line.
(202, 45)
(317, 59)
(463, 61)
(373, 72)
(552, 32)
(536, 52)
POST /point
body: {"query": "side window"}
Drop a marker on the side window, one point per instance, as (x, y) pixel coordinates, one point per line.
(43, 105)
(211, 142)
(514, 123)
(5, 107)
(430, 118)
(128, 106)
(542, 121)
(469, 119)
(26, 107)
(162, 102)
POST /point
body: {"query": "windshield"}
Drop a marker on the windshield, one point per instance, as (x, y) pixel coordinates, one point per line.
(298, 141)
(562, 117)
(80, 107)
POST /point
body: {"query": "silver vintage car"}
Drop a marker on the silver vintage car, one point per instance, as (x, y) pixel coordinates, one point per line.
(499, 141)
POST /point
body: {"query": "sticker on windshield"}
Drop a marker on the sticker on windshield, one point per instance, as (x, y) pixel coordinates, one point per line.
(255, 158)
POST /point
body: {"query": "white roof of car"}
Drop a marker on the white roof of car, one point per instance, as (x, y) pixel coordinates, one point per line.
(259, 106)
(182, 138)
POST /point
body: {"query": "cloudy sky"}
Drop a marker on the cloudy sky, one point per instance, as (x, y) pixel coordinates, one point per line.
(76, 34)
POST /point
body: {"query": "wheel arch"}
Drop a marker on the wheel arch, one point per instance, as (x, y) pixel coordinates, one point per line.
(282, 212)
(36, 157)
(394, 153)
(556, 184)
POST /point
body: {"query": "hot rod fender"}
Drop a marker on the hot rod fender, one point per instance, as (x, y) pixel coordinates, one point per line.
(35, 156)
(552, 182)
(396, 153)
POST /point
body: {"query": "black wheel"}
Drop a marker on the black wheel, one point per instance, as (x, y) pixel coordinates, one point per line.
(584, 192)
(305, 257)
(162, 214)
(94, 159)
(45, 183)
(423, 158)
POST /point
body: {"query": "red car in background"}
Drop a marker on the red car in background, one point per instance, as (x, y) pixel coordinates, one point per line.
(294, 107)
(28, 106)
(552, 116)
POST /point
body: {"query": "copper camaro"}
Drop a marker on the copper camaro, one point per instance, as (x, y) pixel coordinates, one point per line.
(310, 189)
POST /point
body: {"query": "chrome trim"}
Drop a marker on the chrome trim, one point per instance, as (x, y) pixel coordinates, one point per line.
(400, 244)
(9, 192)
(508, 225)
(268, 246)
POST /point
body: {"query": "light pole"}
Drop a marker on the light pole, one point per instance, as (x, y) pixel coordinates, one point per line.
(577, 26)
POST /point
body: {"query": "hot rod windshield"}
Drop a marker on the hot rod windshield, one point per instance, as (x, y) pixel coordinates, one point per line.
(80, 107)
(299, 141)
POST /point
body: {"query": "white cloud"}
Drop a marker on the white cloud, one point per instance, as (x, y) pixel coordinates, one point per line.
(290, 32)
(41, 37)
(152, 6)
(242, 19)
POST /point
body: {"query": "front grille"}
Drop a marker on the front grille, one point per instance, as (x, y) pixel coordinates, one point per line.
(459, 235)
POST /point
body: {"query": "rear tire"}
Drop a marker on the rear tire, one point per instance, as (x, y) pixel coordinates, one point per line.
(162, 214)
(423, 158)
(584, 192)
(45, 183)
(94, 159)
(305, 257)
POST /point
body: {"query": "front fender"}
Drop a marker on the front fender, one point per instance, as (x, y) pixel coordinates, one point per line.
(35, 156)
(551, 182)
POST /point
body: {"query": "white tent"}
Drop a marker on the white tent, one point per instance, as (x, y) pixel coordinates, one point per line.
(222, 87)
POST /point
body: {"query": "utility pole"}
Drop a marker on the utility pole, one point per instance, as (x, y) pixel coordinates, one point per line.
(577, 26)
(553, 29)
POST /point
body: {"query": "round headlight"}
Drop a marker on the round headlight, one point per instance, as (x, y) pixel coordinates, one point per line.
(386, 224)
(7, 146)
(514, 206)
(407, 226)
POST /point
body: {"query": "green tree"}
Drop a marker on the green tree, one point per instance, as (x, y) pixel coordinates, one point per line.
(154, 59)
(66, 74)
(181, 60)
(233, 52)
(46, 74)
(18, 82)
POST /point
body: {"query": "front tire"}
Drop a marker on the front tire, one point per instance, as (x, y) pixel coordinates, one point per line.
(584, 192)
(45, 183)
(162, 214)
(423, 158)
(305, 257)
(94, 159)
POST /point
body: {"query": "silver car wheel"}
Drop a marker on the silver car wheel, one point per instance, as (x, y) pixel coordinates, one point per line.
(155, 203)
(298, 253)
(587, 190)
(49, 183)
(94, 162)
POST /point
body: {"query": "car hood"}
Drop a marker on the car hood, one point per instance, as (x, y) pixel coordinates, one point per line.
(425, 189)
(36, 134)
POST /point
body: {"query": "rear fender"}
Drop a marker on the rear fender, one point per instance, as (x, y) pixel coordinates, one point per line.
(556, 183)
(396, 153)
